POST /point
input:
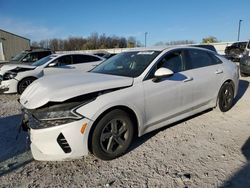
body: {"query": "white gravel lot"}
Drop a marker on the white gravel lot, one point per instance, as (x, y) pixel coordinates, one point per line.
(211, 149)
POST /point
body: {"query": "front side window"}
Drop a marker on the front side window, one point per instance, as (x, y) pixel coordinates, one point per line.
(129, 64)
(62, 61)
(172, 61)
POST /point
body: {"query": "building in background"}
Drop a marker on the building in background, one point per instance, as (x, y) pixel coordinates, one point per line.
(12, 44)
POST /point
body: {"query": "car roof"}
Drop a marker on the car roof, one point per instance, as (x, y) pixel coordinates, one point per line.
(59, 54)
(166, 48)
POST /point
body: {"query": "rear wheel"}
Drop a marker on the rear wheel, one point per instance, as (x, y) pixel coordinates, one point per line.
(23, 84)
(112, 135)
(226, 96)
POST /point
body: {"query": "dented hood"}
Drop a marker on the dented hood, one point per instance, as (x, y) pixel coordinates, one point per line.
(12, 66)
(60, 87)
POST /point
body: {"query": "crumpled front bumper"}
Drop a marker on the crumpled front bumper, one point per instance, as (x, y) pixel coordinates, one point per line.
(62, 142)
(8, 86)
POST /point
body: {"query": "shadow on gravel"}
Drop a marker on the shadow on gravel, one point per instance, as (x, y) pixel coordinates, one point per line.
(14, 146)
(242, 177)
(243, 85)
(140, 140)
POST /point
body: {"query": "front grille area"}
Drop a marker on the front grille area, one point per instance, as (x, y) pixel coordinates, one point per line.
(63, 143)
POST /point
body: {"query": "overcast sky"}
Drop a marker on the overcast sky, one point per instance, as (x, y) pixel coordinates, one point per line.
(164, 20)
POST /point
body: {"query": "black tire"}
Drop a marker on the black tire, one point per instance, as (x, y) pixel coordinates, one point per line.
(107, 143)
(226, 96)
(23, 84)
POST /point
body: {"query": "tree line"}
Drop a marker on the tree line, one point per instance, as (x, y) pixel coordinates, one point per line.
(96, 41)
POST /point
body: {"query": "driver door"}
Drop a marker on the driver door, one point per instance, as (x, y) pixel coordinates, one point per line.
(164, 99)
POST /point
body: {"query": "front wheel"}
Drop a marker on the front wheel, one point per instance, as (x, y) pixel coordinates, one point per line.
(226, 96)
(23, 84)
(112, 135)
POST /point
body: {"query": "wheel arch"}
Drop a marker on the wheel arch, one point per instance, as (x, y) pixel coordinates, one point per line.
(126, 109)
(33, 77)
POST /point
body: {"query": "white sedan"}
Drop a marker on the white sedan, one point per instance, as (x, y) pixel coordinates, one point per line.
(14, 78)
(128, 95)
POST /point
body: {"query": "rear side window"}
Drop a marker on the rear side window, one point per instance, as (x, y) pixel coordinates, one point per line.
(84, 59)
(215, 59)
(200, 58)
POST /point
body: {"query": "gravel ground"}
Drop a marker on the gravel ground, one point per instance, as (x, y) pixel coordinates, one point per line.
(211, 149)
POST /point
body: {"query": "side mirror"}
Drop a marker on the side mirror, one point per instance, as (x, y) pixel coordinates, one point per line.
(162, 73)
(24, 60)
(52, 64)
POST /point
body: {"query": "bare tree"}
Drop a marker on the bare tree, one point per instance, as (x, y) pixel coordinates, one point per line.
(177, 42)
(94, 41)
(210, 39)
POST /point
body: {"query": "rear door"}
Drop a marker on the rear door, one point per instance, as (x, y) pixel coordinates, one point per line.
(207, 73)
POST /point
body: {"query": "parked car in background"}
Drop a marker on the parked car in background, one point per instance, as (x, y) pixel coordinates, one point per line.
(130, 94)
(206, 46)
(108, 55)
(105, 55)
(245, 61)
(14, 78)
(235, 51)
(30, 56)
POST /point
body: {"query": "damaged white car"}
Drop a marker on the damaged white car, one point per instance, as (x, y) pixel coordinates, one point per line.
(126, 96)
(15, 78)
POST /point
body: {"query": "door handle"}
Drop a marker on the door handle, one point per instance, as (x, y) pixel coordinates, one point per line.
(188, 79)
(218, 71)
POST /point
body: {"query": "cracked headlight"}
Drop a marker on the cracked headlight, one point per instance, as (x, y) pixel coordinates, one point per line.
(55, 115)
(9, 75)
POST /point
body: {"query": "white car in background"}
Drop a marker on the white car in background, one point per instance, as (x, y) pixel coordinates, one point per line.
(130, 94)
(15, 78)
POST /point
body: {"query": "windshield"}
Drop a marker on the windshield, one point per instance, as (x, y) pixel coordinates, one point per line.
(19, 57)
(129, 64)
(42, 61)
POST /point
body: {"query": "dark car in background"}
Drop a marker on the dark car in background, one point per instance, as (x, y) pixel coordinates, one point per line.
(245, 61)
(105, 55)
(30, 56)
(206, 46)
(235, 51)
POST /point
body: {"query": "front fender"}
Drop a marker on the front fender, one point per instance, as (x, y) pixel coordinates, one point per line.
(129, 97)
